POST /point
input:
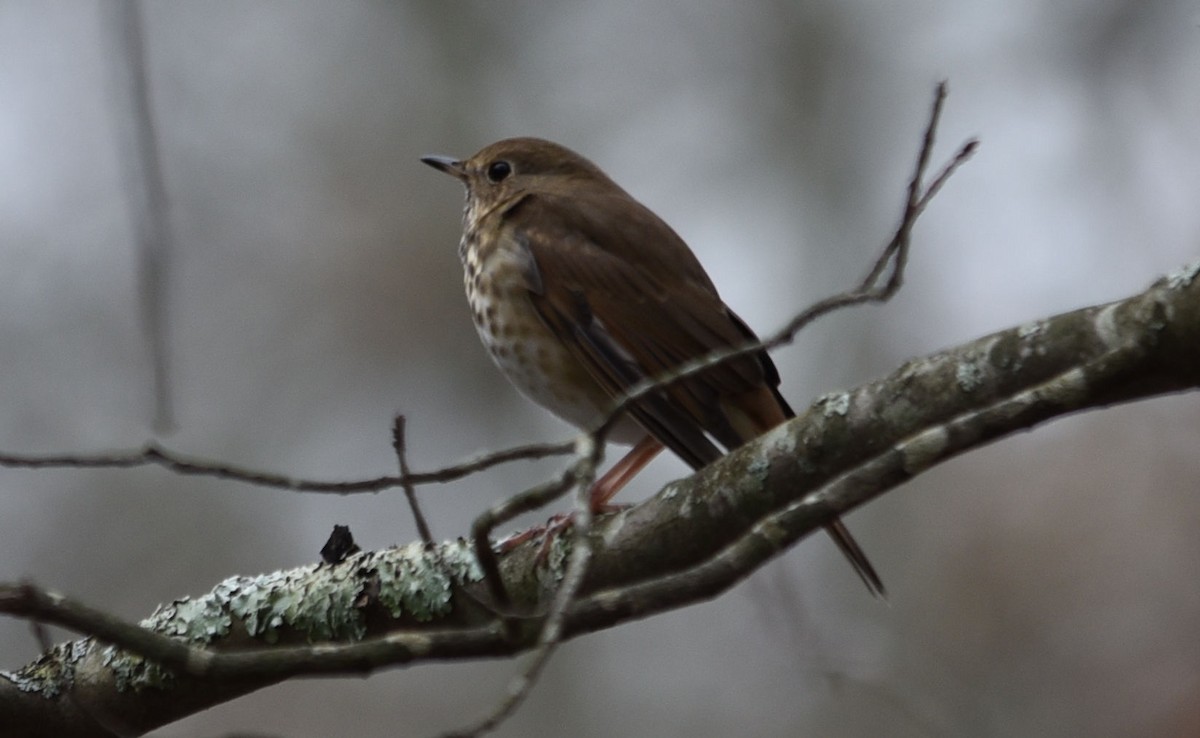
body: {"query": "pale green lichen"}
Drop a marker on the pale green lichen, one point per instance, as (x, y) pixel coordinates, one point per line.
(419, 583)
(1106, 326)
(196, 620)
(320, 601)
(834, 403)
(969, 374)
(557, 558)
(675, 489)
(53, 671)
(1028, 330)
(134, 672)
(1183, 277)
(757, 468)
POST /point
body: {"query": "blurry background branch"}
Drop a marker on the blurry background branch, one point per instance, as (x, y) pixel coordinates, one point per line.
(146, 187)
(691, 541)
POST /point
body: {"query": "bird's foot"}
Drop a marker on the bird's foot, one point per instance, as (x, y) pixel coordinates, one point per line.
(555, 526)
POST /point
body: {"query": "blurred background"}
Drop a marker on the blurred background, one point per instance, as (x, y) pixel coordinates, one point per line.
(1044, 585)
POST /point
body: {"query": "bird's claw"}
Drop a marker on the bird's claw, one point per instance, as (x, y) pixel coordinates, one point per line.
(555, 526)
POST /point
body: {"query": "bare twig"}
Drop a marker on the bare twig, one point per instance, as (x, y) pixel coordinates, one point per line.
(148, 200)
(153, 454)
(894, 254)
(274, 662)
(590, 454)
(42, 635)
(505, 510)
(410, 490)
(27, 600)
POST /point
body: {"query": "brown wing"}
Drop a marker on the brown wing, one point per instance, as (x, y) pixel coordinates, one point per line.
(630, 313)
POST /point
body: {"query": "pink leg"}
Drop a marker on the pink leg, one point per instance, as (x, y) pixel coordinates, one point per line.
(603, 490)
(607, 486)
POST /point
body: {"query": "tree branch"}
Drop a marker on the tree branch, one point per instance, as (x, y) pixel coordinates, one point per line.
(691, 541)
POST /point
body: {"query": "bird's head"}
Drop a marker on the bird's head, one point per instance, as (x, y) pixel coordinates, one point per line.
(514, 166)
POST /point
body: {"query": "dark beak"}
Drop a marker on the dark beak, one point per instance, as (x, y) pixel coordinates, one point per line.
(450, 166)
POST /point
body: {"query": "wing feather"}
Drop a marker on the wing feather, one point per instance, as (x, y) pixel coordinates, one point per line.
(600, 295)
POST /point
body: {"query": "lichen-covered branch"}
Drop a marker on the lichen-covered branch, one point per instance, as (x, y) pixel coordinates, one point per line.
(690, 542)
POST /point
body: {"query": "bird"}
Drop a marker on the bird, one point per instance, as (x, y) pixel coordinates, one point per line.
(579, 292)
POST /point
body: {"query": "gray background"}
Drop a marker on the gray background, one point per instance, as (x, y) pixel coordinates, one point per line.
(1045, 585)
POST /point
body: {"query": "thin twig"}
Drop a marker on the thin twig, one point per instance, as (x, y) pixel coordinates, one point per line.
(410, 490)
(274, 661)
(894, 254)
(42, 635)
(528, 452)
(505, 510)
(491, 568)
(27, 600)
(153, 454)
(590, 454)
(148, 201)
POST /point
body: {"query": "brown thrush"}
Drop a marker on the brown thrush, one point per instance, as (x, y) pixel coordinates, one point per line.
(580, 292)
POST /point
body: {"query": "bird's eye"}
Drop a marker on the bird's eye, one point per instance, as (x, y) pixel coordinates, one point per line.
(498, 171)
